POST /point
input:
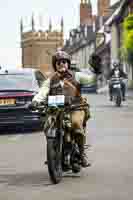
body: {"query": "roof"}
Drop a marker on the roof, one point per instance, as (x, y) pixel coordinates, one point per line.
(115, 5)
(118, 6)
(82, 42)
(118, 11)
(107, 35)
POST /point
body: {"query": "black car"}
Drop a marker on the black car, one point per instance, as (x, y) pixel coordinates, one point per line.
(17, 88)
(91, 87)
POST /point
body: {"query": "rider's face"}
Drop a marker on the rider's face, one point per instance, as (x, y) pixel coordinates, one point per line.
(62, 65)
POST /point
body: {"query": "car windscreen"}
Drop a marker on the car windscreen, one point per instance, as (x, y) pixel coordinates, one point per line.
(86, 71)
(18, 82)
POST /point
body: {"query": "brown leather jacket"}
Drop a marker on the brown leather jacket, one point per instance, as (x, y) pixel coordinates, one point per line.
(70, 86)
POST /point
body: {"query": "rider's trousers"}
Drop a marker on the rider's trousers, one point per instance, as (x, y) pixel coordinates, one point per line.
(78, 125)
(77, 118)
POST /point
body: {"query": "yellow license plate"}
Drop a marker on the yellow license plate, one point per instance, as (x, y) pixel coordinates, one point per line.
(7, 102)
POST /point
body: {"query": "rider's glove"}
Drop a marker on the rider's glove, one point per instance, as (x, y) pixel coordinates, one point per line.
(33, 105)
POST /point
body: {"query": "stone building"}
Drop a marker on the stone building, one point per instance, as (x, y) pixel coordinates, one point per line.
(81, 43)
(38, 46)
(103, 40)
(116, 30)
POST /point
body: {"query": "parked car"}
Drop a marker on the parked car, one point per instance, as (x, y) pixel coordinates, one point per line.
(92, 86)
(17, 88)
(74, 66)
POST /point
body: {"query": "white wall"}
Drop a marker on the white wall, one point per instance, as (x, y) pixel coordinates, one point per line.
(82, 55)
(114, 43)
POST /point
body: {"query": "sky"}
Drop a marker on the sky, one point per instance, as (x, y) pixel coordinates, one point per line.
(11, 11)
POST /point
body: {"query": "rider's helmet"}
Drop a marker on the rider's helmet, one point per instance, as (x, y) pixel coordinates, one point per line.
(59, 55)
(116, 64)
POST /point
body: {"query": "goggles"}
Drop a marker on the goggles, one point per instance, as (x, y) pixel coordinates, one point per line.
(63, 61)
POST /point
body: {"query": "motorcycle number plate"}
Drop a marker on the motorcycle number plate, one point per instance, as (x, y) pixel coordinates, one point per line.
(117, 86)
(56, 100)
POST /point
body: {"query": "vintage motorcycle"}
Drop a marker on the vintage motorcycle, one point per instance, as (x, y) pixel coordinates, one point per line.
(116, 90)
(62, 146)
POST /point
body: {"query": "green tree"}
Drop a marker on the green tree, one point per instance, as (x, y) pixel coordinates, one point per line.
(127, 47)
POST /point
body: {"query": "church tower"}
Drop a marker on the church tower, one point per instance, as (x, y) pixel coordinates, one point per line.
(103, 8)
(85, 13)
(38, 46)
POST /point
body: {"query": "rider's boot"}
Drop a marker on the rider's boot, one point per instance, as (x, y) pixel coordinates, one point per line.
(84, 158)
(123, 87)
(111, 98)
(123, 96)
(82, 147)
(45, 162)
(110, 92)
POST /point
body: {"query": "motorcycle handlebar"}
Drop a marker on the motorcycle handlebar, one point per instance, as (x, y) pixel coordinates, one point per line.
(43, 106)
(70, 104)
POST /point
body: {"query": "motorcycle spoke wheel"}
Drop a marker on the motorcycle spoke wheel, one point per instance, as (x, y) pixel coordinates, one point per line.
(118, 99)
(54, 161)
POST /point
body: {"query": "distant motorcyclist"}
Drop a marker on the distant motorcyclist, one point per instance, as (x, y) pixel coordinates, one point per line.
(117, 72)
(65, 82)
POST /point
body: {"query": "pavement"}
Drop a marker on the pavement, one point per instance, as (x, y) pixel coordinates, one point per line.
(130, 93)
(104, 90)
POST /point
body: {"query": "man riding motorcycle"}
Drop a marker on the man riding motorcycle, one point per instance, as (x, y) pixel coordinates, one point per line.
(117, 71)
(65, 82)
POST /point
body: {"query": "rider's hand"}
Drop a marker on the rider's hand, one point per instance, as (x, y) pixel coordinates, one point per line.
(33, 105)
(108, 81)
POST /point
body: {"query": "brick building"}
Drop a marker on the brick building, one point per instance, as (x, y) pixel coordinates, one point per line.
(85, 13)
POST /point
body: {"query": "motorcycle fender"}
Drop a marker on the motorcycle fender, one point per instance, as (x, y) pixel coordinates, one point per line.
(118, 91)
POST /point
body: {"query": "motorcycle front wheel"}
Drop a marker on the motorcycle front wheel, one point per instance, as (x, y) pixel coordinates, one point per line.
(118, 98)
(54, 158)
